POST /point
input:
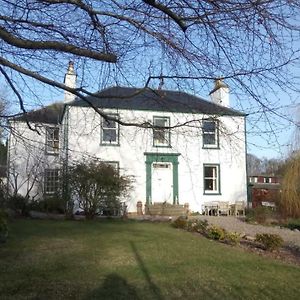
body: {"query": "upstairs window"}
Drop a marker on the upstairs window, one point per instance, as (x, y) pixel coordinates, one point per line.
(52, 140)
(211, 179)
(51, 181)
(210, 133)
(161, 135)
(110, 131)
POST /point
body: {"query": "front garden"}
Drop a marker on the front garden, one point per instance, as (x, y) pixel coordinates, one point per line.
(114, 259)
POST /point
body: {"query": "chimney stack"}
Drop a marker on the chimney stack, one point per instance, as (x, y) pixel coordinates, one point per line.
(220, 94)
(70, 81)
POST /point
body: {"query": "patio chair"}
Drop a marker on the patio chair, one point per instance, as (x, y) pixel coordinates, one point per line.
(238, 208)
(211, 208)
(223, 208)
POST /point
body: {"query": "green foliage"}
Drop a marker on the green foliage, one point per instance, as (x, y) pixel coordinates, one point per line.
(53, 204)
(181, 222)
(3, 227)
(216, 233)
(269, 241)
(3, 193)
(232, 238)
(259, 214)
(19, 204)
(98, 187)
(293, 224)
(213, 232)
(197, 226)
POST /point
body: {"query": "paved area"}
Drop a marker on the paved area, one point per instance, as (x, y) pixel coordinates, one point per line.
(236, 225)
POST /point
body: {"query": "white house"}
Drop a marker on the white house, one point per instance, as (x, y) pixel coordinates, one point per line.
(184, 149)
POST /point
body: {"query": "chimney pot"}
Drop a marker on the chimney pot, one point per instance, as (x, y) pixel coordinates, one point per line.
(70, 81)
(220, 93)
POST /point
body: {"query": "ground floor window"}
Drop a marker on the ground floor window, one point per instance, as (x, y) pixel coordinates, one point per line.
(51, 181)
(115, 165)
(211, 179)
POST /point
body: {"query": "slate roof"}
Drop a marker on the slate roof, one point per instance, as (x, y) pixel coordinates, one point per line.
(154, 100)
(50, 114)
(133, 99)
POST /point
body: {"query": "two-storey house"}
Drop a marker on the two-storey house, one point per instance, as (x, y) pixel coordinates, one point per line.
(178, 147)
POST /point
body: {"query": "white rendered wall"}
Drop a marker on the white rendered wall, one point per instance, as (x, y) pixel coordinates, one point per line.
(27, 159)
(84, 128)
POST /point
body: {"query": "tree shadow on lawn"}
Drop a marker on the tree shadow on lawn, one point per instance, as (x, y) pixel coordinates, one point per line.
(154, 289)
(116, 287)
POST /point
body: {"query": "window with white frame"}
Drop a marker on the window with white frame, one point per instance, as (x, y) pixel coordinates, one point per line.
(211, 179)
(161, 134)
(52, 140)
(51, 181)
(110, 131)
(210, 133)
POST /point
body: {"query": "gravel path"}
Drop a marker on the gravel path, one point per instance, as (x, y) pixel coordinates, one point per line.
(236, 225)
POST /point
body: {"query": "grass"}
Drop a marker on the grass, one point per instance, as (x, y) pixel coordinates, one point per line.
(130, 260)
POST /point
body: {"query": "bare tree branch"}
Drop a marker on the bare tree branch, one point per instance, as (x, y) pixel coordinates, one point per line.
(168, 12)
(19, 97)
(253, 44)
(53, 45)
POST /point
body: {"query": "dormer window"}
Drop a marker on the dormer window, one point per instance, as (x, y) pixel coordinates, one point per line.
(210, 133)
(110, 131)
(52, 140)
(161, 134)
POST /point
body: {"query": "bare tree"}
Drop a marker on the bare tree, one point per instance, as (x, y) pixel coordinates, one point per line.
(250, 43)
(254, 165)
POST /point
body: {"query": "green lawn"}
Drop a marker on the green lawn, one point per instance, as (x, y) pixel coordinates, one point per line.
(131, 260)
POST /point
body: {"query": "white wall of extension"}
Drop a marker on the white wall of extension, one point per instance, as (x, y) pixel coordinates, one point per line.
(27, 159)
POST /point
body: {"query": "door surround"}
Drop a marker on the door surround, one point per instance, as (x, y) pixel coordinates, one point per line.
(161, 157)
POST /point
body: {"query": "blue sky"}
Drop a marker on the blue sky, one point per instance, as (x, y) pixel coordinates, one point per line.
(239, 47)
(264, 140)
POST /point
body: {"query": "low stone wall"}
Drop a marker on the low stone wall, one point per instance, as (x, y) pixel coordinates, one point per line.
(166, 209)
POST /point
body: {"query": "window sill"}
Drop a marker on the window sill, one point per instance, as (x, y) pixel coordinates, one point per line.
(49, 194)
(211, 147)
(52, 153)
(212, 194)
(162, 146)
(110, 144)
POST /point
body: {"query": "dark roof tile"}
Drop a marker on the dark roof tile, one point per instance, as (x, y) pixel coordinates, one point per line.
(49, 114)
(154, 100)
(133, 99)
